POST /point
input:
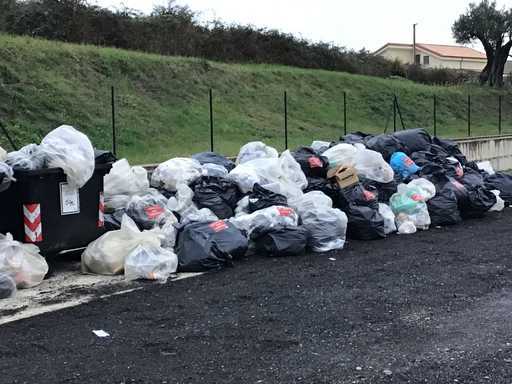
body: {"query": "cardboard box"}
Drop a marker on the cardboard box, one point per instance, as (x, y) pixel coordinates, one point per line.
(343, 175)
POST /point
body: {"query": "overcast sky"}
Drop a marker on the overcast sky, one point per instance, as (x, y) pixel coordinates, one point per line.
(350, 23)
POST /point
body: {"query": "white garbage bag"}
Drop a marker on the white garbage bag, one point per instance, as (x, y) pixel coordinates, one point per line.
(174, 172)
(182, 200)
(409, 203)
(6, 176)
(292, 178)
(310, 201)
(406, 227)
(3, 154)
(192, 214)
(341, 154)
(169, 234)
(28, 158)
(125, 180)
(242, 207)
(255, 150)
(106, 255)
(486, 166)
(150, 262)
(22, 262)
(71, 150)
(266, 219)
(371, 164)
(265, 172)
(428, 187)
(500, 203)
(389, 218)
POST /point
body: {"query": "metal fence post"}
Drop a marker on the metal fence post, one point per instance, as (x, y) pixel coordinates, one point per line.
(114, 135)
(469, 115)
(499, 113)
(9, 138)
(285, 120)
(211, 119)
(394, 113)
(435, 115)
(345, 113)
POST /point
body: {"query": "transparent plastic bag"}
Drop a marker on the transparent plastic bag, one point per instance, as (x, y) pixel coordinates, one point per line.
(486, 166)
(7, 286)
(292, 177)
(182, 200)
(6, 176)
(310, 201)
(372, 165)
(389, 218)
(500, 203)
(149, 210)
(266, 219)
(214, 170)
(326, 228)
(174, 172)
(125, 180)
(428, 188)
(106, 255)
(150, 262)
(28, 158)
(72, 151)
(22, 262)
(340, 154)
(3, 154)
(194, 215)
(406, 227)
(255, 150)
(410, 202)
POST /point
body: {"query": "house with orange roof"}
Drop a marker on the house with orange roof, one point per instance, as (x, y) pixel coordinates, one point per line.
(435, 56)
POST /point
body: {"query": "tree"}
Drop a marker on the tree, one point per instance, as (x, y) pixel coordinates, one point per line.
(493, 28)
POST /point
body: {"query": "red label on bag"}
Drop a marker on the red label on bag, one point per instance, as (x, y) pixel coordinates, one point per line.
(153, 211)
(417, 197)
(368, 196)
(284, 211)
(408, 161)
(315, 162)
(218, 226)
(459, 171)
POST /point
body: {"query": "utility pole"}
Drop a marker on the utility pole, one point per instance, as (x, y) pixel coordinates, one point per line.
(414, 43)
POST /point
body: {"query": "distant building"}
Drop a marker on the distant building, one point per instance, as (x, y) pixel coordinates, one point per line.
(435, 56)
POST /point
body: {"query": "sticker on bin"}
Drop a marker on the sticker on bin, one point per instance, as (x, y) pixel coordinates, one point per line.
(101, 211)
(218, 226)
(69, 200)
(32, 223)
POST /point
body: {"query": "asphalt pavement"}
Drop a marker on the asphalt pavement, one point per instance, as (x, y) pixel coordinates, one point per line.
(431, 307)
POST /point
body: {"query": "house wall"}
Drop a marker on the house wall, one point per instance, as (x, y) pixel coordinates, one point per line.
(404, 55)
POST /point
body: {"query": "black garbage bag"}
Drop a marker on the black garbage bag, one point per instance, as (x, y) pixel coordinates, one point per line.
(503, 183)
(384, 190)
(356, 137)
(312, 164)
(261, 198)
(148, 210)
(386, 145)
(443, 208)
(214, 158)
(281, 241)
(208, 246)
(451, 148)
(6, 174)
(323, 185)
(479, 201)
(104, 157)
(218, 194)
(472, 178)
(362, 208)
(414, 140)
(7, 286)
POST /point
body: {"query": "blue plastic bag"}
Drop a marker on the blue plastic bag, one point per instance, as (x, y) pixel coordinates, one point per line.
(403, 164)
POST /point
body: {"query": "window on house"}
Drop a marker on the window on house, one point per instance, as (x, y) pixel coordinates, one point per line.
(417, 59)
(426, 60)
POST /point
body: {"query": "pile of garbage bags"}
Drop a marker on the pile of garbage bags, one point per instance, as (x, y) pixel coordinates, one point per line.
(204, 212)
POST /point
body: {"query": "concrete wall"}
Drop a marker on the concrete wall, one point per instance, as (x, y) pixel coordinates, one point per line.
(496, 149)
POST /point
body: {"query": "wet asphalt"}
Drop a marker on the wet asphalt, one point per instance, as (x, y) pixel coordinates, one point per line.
(434, 307)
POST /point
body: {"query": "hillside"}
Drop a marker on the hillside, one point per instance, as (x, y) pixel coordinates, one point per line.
(162, 102)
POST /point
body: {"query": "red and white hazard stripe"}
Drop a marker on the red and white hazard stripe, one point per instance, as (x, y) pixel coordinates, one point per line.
(101, 211)
(32, 223)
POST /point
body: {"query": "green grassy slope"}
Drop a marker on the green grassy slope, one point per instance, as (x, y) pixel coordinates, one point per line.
(162, 102)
